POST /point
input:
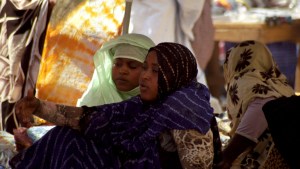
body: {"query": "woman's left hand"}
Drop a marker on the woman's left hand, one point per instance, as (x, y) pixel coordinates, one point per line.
(25, 108)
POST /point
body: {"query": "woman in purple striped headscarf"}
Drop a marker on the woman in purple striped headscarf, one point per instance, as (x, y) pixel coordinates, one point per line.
(126, 134)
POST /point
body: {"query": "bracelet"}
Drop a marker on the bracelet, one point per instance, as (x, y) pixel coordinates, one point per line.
(62, 110)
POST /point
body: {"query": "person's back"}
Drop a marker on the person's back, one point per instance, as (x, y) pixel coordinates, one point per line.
(252, 79)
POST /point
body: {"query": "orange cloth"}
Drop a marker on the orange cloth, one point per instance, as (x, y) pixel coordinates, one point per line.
(76, 30)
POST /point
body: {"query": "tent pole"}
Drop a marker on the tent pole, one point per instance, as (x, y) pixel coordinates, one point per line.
(127, 17)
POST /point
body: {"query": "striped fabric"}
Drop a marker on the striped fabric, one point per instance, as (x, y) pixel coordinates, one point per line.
(122, 134)
(177, 66)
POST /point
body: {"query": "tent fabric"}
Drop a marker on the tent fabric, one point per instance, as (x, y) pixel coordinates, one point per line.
(76, 30)
(22, 25)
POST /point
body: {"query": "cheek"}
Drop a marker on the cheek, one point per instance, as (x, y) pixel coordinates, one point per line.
(155, 89)
(114, 73)
(135, 76)
(153, 93)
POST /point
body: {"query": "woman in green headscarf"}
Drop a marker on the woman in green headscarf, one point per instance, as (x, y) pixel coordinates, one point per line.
(110, 83)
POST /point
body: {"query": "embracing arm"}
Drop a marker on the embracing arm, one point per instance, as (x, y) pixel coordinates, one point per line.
(60, 115)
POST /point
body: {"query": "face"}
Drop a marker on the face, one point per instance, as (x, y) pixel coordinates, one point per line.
(126, 73)
(149, 78)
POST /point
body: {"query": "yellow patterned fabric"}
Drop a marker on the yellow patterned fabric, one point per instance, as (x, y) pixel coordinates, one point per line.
(250, 72)
(77, 29)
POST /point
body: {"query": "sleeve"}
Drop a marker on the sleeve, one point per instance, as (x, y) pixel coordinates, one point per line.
(195, 150)
(254, 123)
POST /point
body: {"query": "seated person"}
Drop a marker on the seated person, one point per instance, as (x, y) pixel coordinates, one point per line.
(118, 64)
(125, 134)
(252, 79)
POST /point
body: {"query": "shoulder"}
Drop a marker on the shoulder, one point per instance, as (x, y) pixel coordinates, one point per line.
(195, 149)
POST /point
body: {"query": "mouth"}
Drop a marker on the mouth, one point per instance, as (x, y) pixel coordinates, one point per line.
(120, 80)
(143, 87)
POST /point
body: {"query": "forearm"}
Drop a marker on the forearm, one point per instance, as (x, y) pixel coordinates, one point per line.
(237, 146)
(60, 115)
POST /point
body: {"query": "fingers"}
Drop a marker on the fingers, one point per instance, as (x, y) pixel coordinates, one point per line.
(24, 108)
(19, 130)
(18, 109)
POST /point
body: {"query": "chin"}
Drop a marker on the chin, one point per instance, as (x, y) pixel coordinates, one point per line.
(122, 89)
(147, 98)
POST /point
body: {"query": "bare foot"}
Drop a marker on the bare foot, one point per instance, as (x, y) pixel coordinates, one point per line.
(21, 138)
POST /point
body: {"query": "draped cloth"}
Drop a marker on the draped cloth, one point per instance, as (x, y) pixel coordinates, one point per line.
(76, 30)
(250, 72)
(171, 21)
(177, 66)
(22, 24)
(283, 116)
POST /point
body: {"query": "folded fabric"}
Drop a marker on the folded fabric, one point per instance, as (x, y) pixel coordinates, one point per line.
(7, 148)
(36, 132)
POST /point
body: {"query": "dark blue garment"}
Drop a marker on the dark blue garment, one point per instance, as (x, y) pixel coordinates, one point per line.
(123, 135)
(63, 147)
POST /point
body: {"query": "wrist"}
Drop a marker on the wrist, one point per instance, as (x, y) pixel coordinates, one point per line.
(38, 108)
(85, 116)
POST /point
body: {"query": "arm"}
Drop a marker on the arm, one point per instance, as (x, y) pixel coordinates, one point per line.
(237, 145)
(251, 127)
(60, 115)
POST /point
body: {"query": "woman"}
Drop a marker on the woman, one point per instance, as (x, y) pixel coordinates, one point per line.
(125, 134)
(110, 82)
(252, 79)
(118, 64)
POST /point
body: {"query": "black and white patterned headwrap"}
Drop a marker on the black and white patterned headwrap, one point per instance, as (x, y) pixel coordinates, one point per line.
(177, 66)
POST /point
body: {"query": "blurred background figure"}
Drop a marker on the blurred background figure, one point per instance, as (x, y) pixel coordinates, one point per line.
(188, 22)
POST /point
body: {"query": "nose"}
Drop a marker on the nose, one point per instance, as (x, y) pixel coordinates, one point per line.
(145, 74)
(123, 70)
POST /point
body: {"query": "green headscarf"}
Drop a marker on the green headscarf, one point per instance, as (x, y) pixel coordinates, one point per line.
(101, 89)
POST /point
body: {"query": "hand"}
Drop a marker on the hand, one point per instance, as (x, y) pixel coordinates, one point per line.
(22, 140)
(25, 107)
(222, 165)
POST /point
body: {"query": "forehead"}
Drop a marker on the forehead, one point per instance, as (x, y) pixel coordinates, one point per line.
(152, 57)
(125, 60)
